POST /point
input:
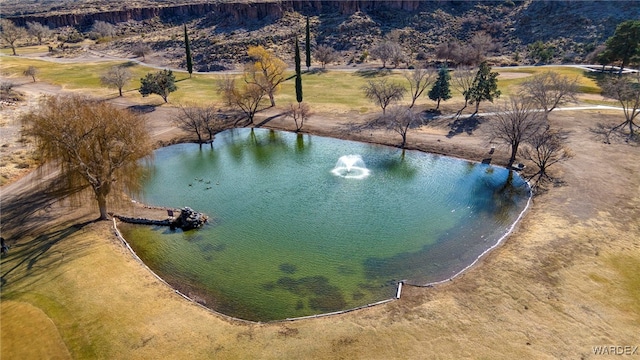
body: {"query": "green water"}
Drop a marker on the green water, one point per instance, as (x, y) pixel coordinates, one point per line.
(289, 238)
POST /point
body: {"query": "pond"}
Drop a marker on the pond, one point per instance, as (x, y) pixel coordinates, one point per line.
(304, 225)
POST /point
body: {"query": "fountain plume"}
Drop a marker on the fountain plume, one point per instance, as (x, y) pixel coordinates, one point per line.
(351, 167)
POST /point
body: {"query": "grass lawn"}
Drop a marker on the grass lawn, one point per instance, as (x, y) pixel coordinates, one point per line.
(586, 84)
(331, 91)
(340, 91)
(26, 50)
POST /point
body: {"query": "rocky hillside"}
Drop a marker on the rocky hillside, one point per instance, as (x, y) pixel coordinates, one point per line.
(220, 31)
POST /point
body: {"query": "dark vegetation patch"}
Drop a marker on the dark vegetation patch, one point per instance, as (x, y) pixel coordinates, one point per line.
(288, 332)
(288, 268)
(322, 295)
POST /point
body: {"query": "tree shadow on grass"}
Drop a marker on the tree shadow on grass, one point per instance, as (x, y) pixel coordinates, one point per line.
(142, 109)
(31, 216)
(464, 125)
(266, 121)
(371, 124)
(606, 134)
(29, 259)
(129, 64)
(27, 211)
(315, 71)
(372, 73)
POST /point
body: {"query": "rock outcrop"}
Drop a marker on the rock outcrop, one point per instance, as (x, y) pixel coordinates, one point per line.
(187, 219)
(233, 11)
(190, 219)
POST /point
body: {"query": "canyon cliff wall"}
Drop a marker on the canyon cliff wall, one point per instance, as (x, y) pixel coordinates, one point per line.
(239, 11)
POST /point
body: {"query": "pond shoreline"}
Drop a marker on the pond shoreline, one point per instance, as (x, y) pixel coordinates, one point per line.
(191, 294)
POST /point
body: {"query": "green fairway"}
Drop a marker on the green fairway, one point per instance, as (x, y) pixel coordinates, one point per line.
(336, 89)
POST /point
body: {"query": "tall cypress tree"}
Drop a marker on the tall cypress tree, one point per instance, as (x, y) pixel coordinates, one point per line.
(188, 51)
(298, 74)
(307, 45)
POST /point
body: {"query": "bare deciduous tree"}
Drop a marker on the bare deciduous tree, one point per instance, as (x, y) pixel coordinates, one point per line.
(625, 89)
(383, 92)
(515, 122)
(31, 72)
(198, 119)
(325, 55)
(464, 55)
(463, 82)
(245, 98)
(116, 77)
(545, 148)
(141, 50)
(11, 33)
(480, 45)
(447, 50)
(388, 51)
(599, 55)
(6, 87)
(104, 29)
(225, 87)
(38, 31)
(419, 81)
(549, 89)
(299, 113)
(94, 143)
(400, 119)
(398, 56)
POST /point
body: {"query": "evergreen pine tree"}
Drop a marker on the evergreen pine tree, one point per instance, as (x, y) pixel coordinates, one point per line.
(441, 90)
(161, 83)
(298, 74)
(485, 86)
(307, 45)
(188, 51)
(624, 45)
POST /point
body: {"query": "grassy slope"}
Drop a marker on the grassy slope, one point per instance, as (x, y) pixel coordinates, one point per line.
(76, 292)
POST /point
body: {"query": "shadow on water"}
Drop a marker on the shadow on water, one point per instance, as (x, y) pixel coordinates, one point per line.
(495, 198)
(303, 143)
(498, 197)
(399, 167)
(265, 146)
